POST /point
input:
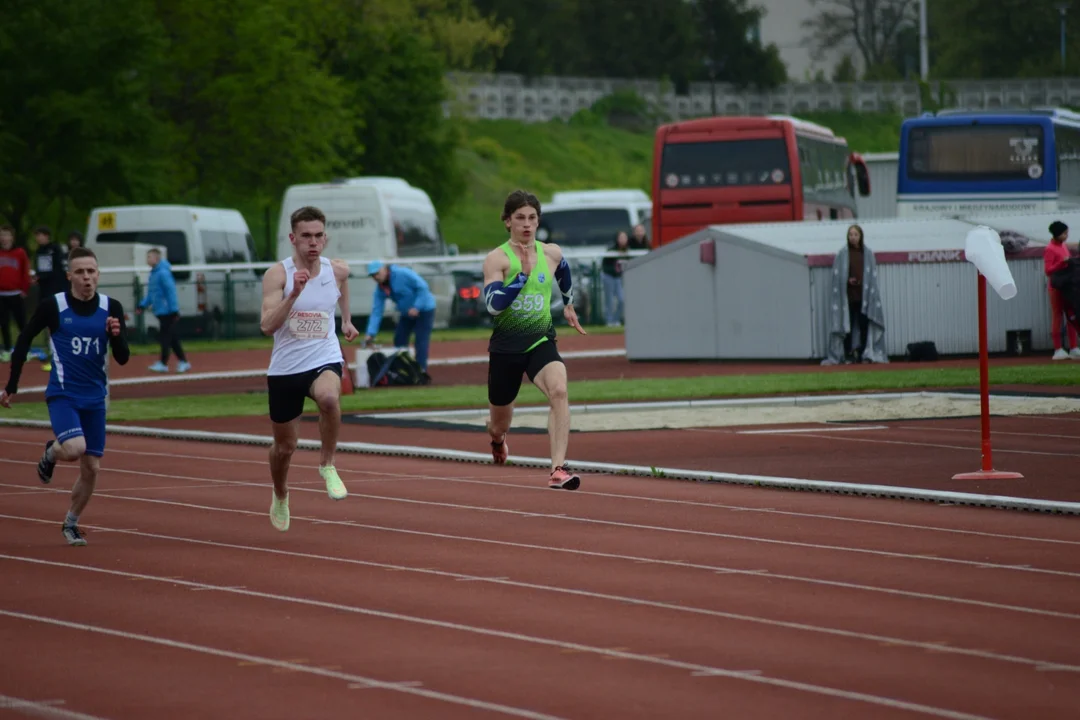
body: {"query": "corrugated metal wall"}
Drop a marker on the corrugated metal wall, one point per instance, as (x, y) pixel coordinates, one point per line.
(939, 302)
(882, 200)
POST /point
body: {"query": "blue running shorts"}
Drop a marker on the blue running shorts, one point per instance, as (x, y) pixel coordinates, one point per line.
(71, 418)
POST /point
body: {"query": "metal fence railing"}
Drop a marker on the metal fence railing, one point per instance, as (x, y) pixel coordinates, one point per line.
(223, 301)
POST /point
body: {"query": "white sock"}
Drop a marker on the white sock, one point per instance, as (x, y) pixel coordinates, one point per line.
(70, 519)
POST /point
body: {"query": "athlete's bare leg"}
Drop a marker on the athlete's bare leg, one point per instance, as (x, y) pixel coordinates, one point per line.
(281, 452)
(551, 381)
(327, 393)
(84, 485)
(71, 450)
(498, 424)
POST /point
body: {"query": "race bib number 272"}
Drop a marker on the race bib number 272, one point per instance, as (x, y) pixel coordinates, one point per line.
(309, 324)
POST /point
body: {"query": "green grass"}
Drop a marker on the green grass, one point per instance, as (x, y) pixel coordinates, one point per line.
(502, 155)
(245, 404)
(195, 347)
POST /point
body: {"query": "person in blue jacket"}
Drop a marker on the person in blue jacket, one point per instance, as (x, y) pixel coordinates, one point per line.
(161, 299)
(413, 298)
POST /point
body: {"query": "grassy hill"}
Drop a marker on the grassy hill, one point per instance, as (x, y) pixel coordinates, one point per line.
(501, 155)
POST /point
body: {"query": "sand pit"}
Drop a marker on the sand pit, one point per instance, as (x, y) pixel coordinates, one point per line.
(816, 410)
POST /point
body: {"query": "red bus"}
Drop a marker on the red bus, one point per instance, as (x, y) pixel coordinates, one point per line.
(725, 170)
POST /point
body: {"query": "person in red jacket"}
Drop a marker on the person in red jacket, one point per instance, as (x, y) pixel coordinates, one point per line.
(1056, 257)
(14, 286)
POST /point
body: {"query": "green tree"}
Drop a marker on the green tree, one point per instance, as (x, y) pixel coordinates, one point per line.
(253, 107)
(730, 46)
(544, 36)
(999, 39)
(76, 125)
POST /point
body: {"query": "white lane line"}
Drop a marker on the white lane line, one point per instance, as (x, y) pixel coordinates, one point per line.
(623, 496)
(532, 640)
(506, 581)
(631, 526)
(994, 433)
(406, 688)
(965, 448)
(796, 431)
(638, 560)
(42, 709)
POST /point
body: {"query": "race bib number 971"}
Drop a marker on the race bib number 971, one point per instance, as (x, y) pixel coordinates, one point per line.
(528, 303)
(309, 324)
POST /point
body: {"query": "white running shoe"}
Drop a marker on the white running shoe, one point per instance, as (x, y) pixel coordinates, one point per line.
(279, 512)
(1060, 354)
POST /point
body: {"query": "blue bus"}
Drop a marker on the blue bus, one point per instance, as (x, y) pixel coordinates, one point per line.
(967, 162)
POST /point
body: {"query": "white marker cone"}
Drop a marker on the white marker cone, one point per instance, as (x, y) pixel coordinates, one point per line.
(984, 250)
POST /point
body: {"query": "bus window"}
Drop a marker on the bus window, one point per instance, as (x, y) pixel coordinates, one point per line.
(724, 163)
(976, 152)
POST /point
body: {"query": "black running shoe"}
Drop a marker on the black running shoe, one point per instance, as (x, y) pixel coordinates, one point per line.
(73, 535)
(45, 467)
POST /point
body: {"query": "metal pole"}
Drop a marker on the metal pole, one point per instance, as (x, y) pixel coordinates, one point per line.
(924, 49)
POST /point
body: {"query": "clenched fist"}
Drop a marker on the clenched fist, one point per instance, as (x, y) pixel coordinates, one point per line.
(112, 326)
(300, 278)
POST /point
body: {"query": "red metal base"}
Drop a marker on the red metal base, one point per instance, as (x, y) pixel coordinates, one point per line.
(988, 475)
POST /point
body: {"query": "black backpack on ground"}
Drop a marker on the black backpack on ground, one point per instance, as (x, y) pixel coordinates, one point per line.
(400, 368)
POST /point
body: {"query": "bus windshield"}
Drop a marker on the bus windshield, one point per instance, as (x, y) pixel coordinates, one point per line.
(584, 227)
(976, 153)
(725, 163)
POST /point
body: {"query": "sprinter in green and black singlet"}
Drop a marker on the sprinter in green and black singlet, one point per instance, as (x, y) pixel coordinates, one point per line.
(526, 324)
(518, 281)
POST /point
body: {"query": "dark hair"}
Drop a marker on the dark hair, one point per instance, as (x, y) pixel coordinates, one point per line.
(76, 235)
(81, 252)
(517, 200)
(1057, 228)
(862, 235)
(307, 214)
(43, 230)
(8, 229)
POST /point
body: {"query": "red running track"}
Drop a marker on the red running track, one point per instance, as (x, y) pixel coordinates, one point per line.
(905, 453)
(462, 591)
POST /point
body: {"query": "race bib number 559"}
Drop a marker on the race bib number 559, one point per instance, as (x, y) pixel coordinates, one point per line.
(528, 303)
(309, 324)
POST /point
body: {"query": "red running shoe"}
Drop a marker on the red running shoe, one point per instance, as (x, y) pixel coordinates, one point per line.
(562, 479)
(500, 451)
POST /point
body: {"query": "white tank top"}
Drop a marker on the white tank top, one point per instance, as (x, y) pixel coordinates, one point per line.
(307, 340)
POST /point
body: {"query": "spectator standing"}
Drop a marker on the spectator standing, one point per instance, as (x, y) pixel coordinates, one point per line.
(14, 287)
(50, 276)
(161, 299)
(1056, 257)
(638, 239)
(855, 304)
(611, 272)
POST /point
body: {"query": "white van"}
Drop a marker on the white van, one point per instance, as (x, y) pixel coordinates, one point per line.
(369, 218)
(590, 220)
(120, 236)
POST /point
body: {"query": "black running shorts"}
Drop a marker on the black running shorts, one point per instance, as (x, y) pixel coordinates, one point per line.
(288, 392)
(505, 371)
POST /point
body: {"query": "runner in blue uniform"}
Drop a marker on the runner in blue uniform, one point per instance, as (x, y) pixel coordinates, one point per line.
(83, 326)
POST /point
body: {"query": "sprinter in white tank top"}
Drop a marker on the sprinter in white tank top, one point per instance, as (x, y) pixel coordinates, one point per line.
(299, 295)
